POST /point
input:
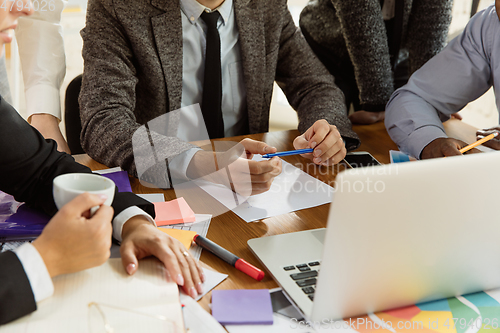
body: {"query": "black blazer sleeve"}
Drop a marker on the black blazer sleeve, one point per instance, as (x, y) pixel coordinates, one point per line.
(16, 297)
(29, 163)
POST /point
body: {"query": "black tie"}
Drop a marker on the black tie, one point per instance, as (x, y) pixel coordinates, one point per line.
(212, 83)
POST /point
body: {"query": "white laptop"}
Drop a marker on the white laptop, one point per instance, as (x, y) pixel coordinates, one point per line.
(397, 235)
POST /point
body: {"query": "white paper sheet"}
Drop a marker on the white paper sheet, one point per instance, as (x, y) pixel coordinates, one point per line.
(197, 320)
(212, 280)
(147, 292)
(110, 170)
(281, 324)
(292, 190)
(9, 246)
(152, 197)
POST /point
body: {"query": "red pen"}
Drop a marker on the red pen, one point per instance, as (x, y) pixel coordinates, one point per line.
(228, 257)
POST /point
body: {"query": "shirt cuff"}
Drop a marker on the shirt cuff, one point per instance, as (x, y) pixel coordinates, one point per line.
(43, 99)
(36, 271)
(179, 164)
(421, 137)
(124, 216)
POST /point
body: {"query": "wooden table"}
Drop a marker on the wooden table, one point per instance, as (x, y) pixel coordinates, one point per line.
(232, 232)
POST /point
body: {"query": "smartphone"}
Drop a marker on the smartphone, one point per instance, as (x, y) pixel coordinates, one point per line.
(360, 159)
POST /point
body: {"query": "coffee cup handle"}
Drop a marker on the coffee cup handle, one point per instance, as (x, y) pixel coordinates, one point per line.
(93, 210)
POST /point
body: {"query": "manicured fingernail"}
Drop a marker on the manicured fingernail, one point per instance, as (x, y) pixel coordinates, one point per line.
(313, 144)
(130, 269)
(192, 292)
(317, 160)
(103, 197)
(317, 152)
(180, 280)
(199, 287)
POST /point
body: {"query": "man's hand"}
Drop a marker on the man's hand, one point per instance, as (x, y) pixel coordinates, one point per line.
(48, 126)
(71, 242)
(260, 174)
(442, 147)
(247, 177)
(493, 143)
(325, 139)
(142, 239)
(366, 118)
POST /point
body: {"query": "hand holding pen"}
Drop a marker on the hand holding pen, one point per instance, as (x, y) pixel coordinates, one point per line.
(325, 139)
(479, 142)
(493, 143)
(442, 147)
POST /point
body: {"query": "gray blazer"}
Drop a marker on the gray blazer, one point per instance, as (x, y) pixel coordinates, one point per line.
(354, 32)
(133, 73)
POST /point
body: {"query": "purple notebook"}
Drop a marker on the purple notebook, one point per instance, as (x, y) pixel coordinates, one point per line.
(121, 180)
(19, 221)
(242, 307)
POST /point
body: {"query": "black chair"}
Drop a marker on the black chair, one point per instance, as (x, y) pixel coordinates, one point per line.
(72, 116)
(473, 10)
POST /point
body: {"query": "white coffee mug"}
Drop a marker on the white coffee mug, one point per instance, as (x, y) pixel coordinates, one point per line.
(68, 186)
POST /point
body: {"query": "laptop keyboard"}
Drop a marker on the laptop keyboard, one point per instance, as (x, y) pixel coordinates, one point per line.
(305, 276)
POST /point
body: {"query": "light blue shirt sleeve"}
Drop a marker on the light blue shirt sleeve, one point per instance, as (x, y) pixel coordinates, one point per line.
(461, 73)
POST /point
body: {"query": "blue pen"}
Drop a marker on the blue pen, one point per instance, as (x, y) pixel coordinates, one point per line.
(288, 153)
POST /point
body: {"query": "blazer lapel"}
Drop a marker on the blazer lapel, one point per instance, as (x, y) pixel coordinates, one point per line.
(167, 30)
(250, 23)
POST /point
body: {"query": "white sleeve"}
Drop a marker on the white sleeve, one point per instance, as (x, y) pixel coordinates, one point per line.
(178, 168)
(124, 216)
(36, 271)
(179, 164)
(43, 61)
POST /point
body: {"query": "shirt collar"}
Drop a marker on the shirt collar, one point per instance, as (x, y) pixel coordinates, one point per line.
(193, 9)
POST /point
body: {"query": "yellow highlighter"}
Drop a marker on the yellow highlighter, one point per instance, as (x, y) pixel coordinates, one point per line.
(478, 142)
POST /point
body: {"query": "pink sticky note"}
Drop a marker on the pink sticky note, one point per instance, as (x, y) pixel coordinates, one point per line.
(173, 212)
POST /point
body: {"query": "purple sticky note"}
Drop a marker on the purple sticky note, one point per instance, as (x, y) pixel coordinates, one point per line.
(121, 180)
(242, 307)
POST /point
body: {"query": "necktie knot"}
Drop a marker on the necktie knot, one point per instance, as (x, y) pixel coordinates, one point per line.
(210, 18)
